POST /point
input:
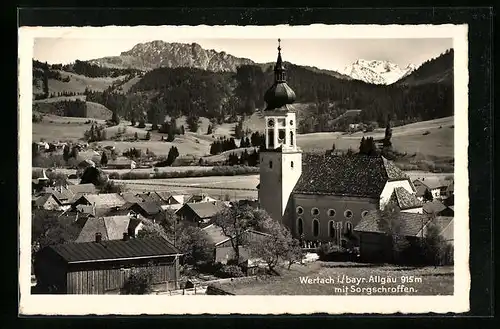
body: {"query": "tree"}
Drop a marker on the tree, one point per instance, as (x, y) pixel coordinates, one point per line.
(182, 130)
(66, 152)
(136, 136)
(196, 246)
(209, 129)
(234, 221)
(112, 187)
(433, 244)
(294, 253)
(148, 135)
(193, 123)
(275, 246)
(95, 176)
(388, 133)
(115, 119)
(390, 223)
(139, 282)
(104, 159)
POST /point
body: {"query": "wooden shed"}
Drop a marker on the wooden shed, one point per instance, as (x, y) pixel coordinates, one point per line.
(102, 267)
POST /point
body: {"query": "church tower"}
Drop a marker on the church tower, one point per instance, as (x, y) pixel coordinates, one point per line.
(280, 159)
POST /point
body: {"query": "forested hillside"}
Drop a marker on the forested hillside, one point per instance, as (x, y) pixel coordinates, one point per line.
(425, 94)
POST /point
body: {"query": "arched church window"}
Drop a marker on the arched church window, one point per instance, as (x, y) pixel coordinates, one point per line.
(348, 213)
(331, 212)
(315, 227)
(271, 164)
(270, 135)
(331, 229)
(291, 138)
(282, 136)
(300, 210)
(270, 123)
(300, 226)
(315, 211)
(348, 227)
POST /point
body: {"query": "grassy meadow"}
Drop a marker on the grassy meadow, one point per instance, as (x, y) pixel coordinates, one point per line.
(427, 281)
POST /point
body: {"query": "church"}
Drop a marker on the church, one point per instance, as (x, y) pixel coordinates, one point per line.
(320, 197)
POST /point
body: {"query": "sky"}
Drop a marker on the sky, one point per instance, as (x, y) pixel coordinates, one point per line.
(332, 54)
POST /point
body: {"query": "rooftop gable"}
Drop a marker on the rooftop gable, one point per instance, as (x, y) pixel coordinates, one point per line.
(115, 250)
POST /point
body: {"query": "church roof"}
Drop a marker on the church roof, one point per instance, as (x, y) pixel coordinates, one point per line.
(359, 176)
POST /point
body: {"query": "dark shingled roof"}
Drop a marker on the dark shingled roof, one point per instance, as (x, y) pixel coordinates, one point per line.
(411, 223)
(405, 199)
(205, 209)
(361, 176)
(150, 208)
(434, 206)
(114, 250)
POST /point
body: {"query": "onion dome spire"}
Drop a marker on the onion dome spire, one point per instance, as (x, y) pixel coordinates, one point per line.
(280, 93)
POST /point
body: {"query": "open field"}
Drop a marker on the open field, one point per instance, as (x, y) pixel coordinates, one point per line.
(426, 280)
(77, 83)
(439, 142)
(408, 138)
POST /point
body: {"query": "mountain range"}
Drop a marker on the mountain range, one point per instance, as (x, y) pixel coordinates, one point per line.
(377, 71)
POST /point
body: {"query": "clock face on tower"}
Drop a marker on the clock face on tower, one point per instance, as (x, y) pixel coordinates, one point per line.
(270, 123)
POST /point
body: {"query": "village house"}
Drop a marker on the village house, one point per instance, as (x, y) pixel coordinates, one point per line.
(63, 194)
(200, 214)
(102, 267)
(375, 243)
(152, 197)
(46, 201)
(109, 227)
(103, 201)
(320, 197)
(147, 209)
(437, 208)
(436, 186)
(130, 197)
(406, 201)
(223, 248)
(121, 163)
(197, 198)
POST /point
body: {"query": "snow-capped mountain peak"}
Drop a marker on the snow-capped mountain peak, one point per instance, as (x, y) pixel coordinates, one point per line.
(377, 71)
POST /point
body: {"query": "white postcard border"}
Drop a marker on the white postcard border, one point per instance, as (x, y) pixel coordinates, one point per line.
(131, 305)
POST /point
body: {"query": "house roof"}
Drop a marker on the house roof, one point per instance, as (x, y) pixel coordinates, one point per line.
(104, 200)
(198, 198)
(411, 223)
(173, 207)
(405, 199)
(114, 250)
(164, 195)
(61, 192)
(215, 234)
(443, 224)
(178, 198)
(362, 176)
(151, 208)
(433, 206)
(433, 182)
(42, 199)
(420, 190)
(91, 227)
(204, 209)
(151, 197)
(83, 188)
(130, 197)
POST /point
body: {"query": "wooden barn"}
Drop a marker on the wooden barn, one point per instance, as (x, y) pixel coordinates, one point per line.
(102, 267)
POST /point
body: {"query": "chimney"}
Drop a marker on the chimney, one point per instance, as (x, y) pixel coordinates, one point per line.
(98, 237)
(125, 236)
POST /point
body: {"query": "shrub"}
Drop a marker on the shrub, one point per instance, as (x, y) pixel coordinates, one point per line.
(139, 282)
(230, 271)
